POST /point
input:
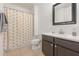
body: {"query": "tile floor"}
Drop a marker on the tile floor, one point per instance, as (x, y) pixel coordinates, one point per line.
(24, 52)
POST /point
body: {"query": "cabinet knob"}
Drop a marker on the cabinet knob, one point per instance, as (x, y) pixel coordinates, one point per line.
(55, 45)
(51, 44)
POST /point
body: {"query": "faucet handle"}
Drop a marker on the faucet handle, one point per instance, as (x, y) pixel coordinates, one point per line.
(61, 32)
(74, 33)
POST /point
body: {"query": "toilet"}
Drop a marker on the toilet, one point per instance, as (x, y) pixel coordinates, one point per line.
(36, 44)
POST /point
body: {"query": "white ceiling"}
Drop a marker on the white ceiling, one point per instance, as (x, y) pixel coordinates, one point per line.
(24, 5)
(29, 6)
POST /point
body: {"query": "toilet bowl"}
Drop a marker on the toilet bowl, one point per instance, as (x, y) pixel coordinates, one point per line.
(36, 44)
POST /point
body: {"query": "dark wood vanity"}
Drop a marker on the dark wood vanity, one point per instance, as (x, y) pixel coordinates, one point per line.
(63, 14)
(53, 46)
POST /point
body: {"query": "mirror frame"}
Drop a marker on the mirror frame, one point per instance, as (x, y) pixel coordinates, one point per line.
(67, 22)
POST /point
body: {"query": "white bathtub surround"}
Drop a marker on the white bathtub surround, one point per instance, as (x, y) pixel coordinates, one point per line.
(63, 36)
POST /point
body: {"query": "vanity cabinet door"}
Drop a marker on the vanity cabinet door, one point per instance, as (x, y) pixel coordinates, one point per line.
(55, 50)
(65, 47)
(47, 48)
(62, 51)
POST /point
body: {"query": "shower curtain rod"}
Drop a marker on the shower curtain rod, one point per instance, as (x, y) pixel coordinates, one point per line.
(19, 9)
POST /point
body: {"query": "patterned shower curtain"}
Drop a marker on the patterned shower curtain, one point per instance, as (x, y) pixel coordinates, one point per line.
(20, 29)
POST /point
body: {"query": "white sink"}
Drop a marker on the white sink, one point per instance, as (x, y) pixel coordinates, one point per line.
(63, 36)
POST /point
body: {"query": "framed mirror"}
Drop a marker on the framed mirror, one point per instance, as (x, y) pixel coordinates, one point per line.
(64, 13)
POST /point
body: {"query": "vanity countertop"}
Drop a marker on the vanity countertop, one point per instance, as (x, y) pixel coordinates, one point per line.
(63, 36)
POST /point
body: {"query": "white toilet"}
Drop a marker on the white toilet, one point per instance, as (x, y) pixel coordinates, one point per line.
(36, 44)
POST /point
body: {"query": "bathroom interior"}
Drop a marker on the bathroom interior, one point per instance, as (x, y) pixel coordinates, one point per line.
(39, 29)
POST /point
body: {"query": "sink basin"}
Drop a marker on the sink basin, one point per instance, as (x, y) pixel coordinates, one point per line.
(63, 36)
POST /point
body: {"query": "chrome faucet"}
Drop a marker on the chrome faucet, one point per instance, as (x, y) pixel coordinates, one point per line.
(61, 31)
(74, 33)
